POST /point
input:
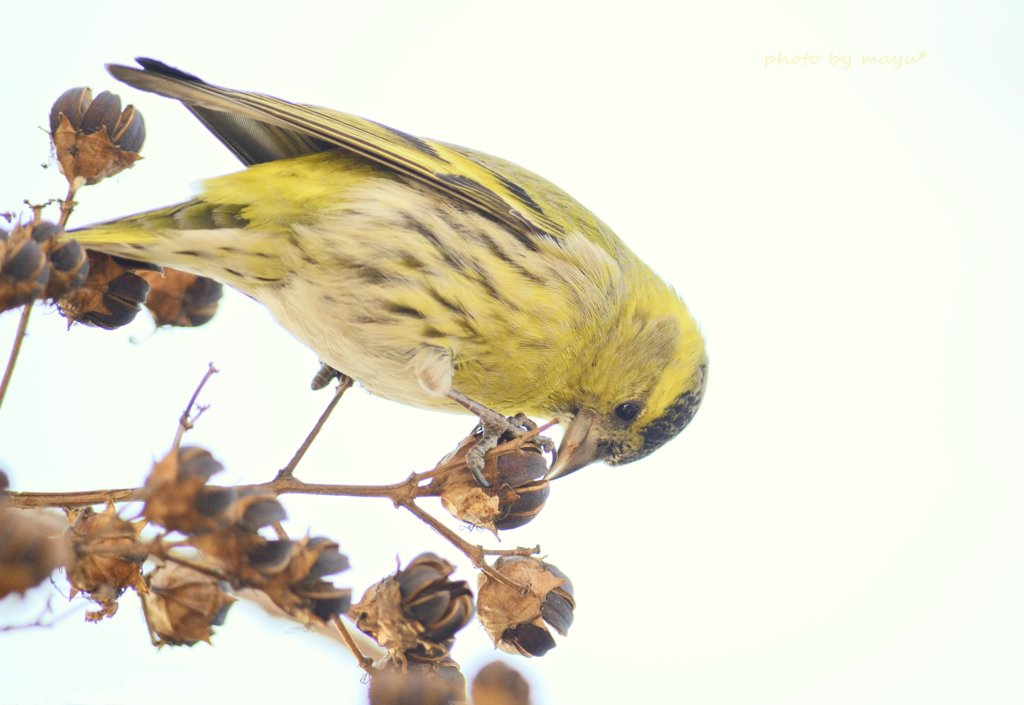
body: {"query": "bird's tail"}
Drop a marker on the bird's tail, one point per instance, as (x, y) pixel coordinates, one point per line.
(184, 237)
(127, 237)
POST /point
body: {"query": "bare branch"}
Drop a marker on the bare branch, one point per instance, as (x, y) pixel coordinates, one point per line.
(19, 336)
(344, 382)
(185, 422)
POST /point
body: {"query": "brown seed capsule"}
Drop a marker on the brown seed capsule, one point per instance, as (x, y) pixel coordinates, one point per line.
(291, 574)
(416, 611)
(175, 489)
(517, 619)
(110, 297)
(433, 683)
(177, 298)
(106, 560)
(94, 138)
(441, 606)
(517, 491)
(24, 270)
(521, 509)
(72, 104)
(69, 267)
(183, 605)
(36, 261)
(238, 516)
(254, 510)
(44, 231)
(31, 548)
(497, 683)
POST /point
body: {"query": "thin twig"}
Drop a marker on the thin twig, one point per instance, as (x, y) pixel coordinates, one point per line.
(521, 551)
(325, 629)
(31, 500)
(398, 492)
(67, 205)
(365, 662)
(185, 422)
(193, 565)
(28, 500)
(19, 336)
(344, 382)
(402, 494)
(39, 623)
(279, 530)
(473, 552)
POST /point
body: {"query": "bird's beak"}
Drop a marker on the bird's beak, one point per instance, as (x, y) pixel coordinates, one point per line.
(579, 446)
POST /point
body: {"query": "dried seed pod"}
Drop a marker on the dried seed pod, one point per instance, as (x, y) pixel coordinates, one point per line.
(517, 491)
(237, 516)
(230, 547)
(24, 269)
(526, 504)
(223, 523)
(433, 683)
(175, 489)
(441, 606)
(110, 297)
(497, 683)
(69, 268)
(183, 605)
(106, 558)
(94, 138)
(272, 557)
(31, 548)
(72, 104)
(324, 600)
(101, 114)
(254, 510)
(416, 611)
(44, 231)
(36, 262)
(516, 619)
(292, 577)
(177, 298)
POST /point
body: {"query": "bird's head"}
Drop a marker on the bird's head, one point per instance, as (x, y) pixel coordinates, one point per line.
(643, 386)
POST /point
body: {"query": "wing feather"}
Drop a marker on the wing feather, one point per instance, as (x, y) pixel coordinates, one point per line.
(259, 128)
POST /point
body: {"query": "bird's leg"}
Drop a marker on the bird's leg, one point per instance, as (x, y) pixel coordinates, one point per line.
(493, 425)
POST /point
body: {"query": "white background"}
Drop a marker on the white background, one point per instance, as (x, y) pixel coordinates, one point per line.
(841, 523)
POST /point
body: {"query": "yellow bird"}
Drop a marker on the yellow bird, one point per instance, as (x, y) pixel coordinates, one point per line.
(433, 274)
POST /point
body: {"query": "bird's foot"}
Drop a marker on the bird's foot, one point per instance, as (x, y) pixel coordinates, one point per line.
(495, 429)
(324, 376)
(492, 427)
(521, 424)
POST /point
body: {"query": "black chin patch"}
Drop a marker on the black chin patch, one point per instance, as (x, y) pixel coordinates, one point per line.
(676, 417)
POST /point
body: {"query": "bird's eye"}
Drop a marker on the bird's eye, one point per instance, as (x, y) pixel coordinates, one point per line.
(628, 410)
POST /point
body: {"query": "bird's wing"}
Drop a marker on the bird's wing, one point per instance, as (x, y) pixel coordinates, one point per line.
(260, 128)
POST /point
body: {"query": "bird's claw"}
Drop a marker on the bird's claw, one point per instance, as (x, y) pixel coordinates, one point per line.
(496, 429)
(492, 428)
(521, 424)
(475, 463)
